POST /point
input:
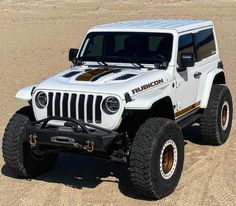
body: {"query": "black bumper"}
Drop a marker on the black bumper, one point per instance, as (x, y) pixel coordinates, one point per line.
(74, 134)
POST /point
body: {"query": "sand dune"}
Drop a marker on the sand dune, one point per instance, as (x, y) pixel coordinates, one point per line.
(34, 39)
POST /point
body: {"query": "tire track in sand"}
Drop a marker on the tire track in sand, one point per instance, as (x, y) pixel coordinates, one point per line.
(218, 184)
(198, 173)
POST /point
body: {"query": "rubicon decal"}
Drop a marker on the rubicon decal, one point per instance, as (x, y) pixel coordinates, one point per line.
(147, 86)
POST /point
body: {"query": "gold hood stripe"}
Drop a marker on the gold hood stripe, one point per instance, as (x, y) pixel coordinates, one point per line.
(87, 76)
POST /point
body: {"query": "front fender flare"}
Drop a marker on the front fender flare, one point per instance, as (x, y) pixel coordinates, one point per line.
(25, 93)
(145, 101)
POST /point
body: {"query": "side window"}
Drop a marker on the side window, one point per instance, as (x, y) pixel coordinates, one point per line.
(185, 45)
(205, 44)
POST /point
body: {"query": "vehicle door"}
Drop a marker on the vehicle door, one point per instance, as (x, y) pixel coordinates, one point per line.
(187, 79)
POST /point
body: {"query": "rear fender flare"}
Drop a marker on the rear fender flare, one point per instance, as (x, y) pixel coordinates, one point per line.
(215, 76)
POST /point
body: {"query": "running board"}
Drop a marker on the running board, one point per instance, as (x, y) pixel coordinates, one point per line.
(189, 120)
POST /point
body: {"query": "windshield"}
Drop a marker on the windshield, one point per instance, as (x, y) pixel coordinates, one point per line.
(127, 47)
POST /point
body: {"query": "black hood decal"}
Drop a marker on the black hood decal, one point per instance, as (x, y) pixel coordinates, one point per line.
(71, 74)
(125, 76)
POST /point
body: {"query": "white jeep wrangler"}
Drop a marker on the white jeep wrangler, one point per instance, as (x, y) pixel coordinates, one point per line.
(133, 86)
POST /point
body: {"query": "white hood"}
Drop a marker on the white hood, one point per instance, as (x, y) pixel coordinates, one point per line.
(97, 79)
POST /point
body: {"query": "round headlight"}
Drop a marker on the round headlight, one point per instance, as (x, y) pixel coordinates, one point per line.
(111, 105)
(41, 100)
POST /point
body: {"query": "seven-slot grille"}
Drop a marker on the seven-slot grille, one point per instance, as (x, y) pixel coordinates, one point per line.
(79, 106)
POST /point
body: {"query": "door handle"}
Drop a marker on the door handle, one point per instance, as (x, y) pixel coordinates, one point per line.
(197, 75)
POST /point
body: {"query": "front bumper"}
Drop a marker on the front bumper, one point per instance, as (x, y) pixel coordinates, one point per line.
(74, 134)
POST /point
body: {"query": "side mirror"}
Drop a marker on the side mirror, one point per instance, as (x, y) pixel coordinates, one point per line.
(186, 60)
(72, 54)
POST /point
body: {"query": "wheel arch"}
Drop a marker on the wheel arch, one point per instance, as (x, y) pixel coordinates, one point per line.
(157, 104)
(164, 108)
(219, 78)
(133, 118)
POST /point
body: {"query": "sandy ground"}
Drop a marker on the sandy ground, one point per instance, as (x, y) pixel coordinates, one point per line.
(34, 40)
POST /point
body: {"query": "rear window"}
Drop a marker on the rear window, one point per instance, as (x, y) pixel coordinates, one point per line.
(205, 44)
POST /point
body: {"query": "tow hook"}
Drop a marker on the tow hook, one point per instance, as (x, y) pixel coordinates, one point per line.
(33, 140)
(90, 146)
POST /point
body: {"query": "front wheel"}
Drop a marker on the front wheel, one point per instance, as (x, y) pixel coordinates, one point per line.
(157, 157)
(18, 155)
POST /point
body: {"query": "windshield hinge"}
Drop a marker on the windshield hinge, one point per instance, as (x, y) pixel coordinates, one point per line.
(162, 66)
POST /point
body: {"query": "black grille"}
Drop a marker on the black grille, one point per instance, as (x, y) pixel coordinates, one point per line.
(81, 106)
(76, 106)
(98, 115)
(65, 105)
(90, 108)
(57, 104)
(73, 106)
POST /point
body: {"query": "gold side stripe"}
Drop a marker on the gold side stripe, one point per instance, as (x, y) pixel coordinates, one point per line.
(187, 109)
(87, 76)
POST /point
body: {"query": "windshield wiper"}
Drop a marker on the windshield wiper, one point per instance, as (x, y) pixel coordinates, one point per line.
(100, 61)
(130, 60)
(97, 59)
(137, 63)
(134, 61)
(103, 63)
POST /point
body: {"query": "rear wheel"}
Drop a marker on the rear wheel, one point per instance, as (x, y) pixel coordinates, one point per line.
(216, 120)
(18, 154)
(156, 158)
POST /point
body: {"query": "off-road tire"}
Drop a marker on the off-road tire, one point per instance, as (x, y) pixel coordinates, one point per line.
(211, 120)
(17, 152)
(145, 158)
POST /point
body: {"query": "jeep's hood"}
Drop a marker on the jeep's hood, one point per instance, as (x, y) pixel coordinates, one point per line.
(115, 80)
